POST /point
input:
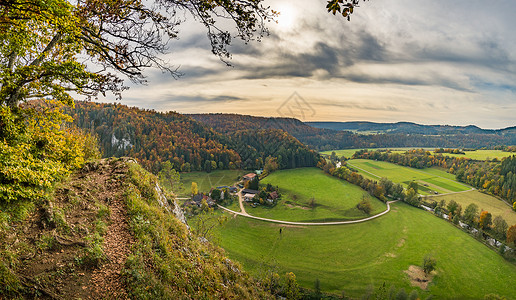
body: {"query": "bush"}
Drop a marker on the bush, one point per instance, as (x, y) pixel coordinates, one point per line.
(429, 264)
(365, 206)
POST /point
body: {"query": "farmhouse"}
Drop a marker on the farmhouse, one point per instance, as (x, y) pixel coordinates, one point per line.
(249, 194)
(249, 176)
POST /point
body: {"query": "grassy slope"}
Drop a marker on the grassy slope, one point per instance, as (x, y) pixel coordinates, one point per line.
(354, 257)
(167, 261)
(485, 202)
(437, 180)
(336, 199)
(205, 181)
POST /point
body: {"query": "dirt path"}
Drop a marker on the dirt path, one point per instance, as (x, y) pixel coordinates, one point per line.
(241, 202)
(106, 282)
(308, 223)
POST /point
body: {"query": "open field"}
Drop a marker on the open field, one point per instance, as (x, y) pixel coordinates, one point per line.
(335, 199)
(429, 180)
(205, 181)
(485, 202)
(482, 154)
(352, 258)
(348, 153)
(476, 155)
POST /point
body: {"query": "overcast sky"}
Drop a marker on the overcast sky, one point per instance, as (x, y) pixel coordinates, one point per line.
(429, 62)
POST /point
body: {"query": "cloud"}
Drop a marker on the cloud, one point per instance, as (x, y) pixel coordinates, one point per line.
(417, 60)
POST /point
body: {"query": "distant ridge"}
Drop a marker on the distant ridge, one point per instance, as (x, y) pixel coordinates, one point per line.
(405, 127)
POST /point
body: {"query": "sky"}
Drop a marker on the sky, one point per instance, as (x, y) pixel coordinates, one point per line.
(428, 62)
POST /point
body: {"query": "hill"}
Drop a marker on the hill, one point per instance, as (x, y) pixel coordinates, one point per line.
(155, 138)
(343, 135)
(401, 127)
(109, 232)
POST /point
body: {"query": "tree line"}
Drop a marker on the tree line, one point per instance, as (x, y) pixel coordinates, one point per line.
(494, 177)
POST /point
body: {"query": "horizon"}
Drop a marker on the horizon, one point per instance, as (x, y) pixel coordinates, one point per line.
(405, 61)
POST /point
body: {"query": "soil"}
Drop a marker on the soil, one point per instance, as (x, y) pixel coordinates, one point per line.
(418, 277)
(52, 243)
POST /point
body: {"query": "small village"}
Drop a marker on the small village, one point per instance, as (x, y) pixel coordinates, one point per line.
(247, 188)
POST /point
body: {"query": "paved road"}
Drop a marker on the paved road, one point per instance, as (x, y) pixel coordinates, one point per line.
(307, 223)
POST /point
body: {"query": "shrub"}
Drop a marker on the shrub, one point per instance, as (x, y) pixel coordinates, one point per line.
(429, 264)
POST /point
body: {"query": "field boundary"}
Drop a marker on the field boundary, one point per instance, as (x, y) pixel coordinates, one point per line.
(311, 223)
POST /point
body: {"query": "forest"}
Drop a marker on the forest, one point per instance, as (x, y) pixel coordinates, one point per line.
(323, 139)
(155, 138)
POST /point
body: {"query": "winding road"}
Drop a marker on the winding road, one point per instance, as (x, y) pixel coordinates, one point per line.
(245, 214)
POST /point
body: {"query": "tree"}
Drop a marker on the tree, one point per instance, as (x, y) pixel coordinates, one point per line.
(470, 214)
(345, 8)
(429, 264)
(216, 195)
(413, 185)
(452, 207)
(365, 205)
(45, 42)
(194, 189)
(170, 178)
(254, 183)
(412, 197)
(397, 191)
(500, 228)
(511, 236)
(387, 185)
(291, 286)
(485, 220)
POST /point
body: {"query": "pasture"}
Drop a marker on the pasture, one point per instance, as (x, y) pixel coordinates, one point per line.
(335, 199)
(485, 202)
(482, 154)
(352, 259)
(475, 155)
(429, 180)
(206, 181)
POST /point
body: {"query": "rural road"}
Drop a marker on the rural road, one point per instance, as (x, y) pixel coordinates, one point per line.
(241, 201)
(244, 214)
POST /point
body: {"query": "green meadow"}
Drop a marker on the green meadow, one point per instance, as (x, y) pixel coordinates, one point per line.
(475, 155)
(206, 181)
(429, 180)
(348, 153)
(492, 204)
(335, 199)
(352, 259)
(482, 154)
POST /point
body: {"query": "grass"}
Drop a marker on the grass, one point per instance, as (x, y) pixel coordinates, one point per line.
(482, 154)
(205, 181)
(476, 155)
(167, 261)
(335, 199)
(429, 180)
(353, 258)
(485, 202)
(348, 153)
